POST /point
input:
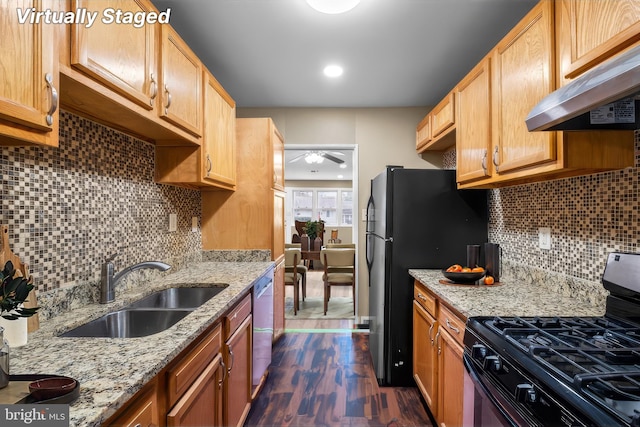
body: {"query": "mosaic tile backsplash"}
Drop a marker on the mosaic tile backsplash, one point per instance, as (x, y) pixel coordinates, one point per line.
(71, 207)
(589, 216)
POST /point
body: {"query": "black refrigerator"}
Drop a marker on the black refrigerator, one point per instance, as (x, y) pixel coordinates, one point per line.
(416, 218)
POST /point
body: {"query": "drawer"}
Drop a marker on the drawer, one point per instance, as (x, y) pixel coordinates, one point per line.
(424, 297)
(237, 316)
(191, 366)
(453, 324)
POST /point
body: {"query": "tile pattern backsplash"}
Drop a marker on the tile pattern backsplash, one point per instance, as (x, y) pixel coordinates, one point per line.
(589, 217)
(69, 208)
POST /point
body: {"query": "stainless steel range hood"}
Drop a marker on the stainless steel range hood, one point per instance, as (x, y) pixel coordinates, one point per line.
(604, 98)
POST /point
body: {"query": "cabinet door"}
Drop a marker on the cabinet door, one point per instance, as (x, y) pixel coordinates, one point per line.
(143, 412)
(238, 383)
(423, 133)
(181, 83)
(424, 355)
(201, 404)
(278, 225)
(219, 142)
(451, 384)
(523, 64)
(29, 83)
(278, 159)
(590, 32)
(443, 115)
(473, 129)
(127, 63)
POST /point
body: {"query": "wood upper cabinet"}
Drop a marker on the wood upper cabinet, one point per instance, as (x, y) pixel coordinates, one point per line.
(29, 87)
(590, 32)
(213, 163)
(423, 133)
(473, 131)
(128, 62)
(278, 159)
(523, 73)
(180, 92)
(219, 142)
(437, 130)
(255, 203)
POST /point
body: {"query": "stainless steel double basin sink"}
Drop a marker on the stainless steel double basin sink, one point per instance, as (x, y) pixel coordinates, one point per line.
(150, 315)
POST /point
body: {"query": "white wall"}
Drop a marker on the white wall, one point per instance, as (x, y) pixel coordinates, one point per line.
(385, 136)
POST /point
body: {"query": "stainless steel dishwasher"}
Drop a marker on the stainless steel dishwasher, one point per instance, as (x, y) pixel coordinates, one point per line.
(262, 326)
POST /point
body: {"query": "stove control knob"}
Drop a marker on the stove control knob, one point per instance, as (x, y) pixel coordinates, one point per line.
(525, 393)
(493, 363)
(478, 351)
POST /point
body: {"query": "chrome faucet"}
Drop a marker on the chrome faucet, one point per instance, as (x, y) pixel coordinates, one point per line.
(108, 280)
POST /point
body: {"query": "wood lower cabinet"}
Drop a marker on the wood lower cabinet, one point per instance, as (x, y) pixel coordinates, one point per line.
(30, 85)
(237, 358)
(143, 411)
(424, 355)
(201, 405)
(437, 356)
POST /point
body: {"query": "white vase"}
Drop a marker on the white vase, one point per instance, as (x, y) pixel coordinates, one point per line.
(15, 331)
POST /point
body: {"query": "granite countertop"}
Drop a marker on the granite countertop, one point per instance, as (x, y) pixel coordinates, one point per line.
(111, 370)
(509, 298)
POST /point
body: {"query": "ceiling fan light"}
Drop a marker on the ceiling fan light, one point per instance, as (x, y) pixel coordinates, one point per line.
(333, 7)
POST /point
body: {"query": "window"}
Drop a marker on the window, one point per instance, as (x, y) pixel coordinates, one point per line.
(333, 206)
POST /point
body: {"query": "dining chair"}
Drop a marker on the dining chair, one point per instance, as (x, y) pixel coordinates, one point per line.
(291, 275)
(339, 270)
(302, 269)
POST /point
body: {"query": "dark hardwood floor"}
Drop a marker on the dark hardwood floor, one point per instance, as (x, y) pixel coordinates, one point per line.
(327, 379)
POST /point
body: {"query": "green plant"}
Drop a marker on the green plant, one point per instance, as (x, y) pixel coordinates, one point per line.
(313, 228)
(13, 293)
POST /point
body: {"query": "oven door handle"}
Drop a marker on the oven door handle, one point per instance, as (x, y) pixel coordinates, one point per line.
(477, 381)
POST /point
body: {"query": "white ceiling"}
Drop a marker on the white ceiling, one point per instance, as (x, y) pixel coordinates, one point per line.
(395, 53)
(299, 170)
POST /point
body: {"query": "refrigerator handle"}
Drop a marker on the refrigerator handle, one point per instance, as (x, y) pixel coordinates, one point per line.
(368, 236)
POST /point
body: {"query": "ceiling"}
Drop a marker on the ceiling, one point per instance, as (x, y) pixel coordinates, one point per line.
(297, 169)
(395, 53)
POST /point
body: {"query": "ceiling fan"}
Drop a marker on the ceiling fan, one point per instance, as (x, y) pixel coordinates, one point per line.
(316, 156)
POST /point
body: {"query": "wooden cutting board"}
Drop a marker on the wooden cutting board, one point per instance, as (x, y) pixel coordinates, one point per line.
(6, 254)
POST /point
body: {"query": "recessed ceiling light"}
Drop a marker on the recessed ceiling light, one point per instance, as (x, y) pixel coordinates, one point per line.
(340, 176)
(343, 166)
(333, 7)
(333, 71)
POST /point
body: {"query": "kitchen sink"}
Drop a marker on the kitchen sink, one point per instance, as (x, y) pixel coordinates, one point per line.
(129, 323)
(177, 298)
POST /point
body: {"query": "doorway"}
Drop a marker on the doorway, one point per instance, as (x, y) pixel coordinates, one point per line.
(322, 182)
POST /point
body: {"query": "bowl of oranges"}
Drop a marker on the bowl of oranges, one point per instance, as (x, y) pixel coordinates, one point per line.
(459, 274)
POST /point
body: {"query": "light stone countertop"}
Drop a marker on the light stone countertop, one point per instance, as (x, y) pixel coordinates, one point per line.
(111, 370)
(510, 298)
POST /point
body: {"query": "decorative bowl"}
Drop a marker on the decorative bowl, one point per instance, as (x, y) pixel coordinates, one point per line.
(48, 388)
(459, 277)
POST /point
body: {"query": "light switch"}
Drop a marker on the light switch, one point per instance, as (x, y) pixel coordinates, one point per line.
(173, 222)
(544, 237)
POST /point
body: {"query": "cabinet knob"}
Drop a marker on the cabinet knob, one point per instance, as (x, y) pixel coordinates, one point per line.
(53, 95)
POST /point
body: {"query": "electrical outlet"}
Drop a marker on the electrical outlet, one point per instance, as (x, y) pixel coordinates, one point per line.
(544, 237)
(194, 224)
(173, 222)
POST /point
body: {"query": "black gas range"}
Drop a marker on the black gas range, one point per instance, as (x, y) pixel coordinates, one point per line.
(560, 371)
